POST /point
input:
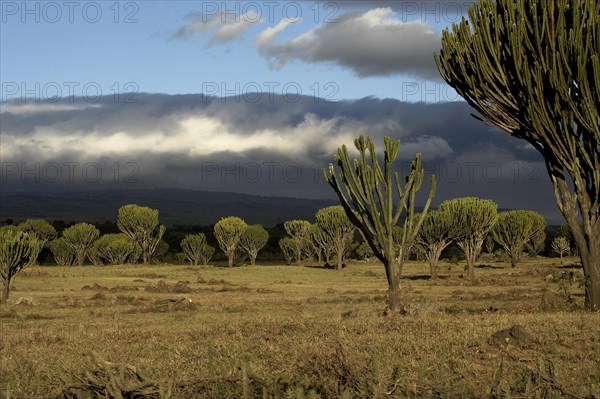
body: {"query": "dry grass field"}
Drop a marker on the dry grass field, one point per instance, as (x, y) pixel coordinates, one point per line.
(172, 331)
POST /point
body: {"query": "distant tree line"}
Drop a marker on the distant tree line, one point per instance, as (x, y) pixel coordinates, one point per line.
(111, 246)
(458, 229)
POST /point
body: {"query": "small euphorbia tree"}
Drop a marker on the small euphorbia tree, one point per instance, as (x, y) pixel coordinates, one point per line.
(335, 224)
(561, 246)
(299, 230)
(141, 224)
(228, 232)
(194, 246)
(16, 250)
(514, 229)
(287, 245)
(474, 218)
(253, 239)
(81, 237)
(323, 242)
(114, 248)
(40, 231)
(436, 233)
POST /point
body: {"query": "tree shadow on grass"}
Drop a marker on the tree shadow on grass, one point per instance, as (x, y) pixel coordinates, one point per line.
(425, 277)
(570, 266)
(326, 266)
(484, 266)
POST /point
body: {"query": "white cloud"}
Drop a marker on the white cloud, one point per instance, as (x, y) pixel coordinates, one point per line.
(29, 108)
(374, 43)
(191, 135)
(221, 27)
(270, 33)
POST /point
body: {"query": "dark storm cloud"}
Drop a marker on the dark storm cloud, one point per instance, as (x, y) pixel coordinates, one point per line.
(166, 116)
(268, 147)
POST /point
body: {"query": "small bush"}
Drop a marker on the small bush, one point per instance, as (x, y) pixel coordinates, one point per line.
(180, 257)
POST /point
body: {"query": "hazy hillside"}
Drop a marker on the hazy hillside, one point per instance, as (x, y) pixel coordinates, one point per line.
(175, 206)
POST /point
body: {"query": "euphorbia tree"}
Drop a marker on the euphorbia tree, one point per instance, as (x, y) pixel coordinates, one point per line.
(40, 231)
(141, 224)
(80, 237)
(286, 244)
(473, 218)
(436, 233)
(228, 232)
(538, 241)
(63, 254)
(514, 229)
(299, 230)
(253, 239)
(196, 249)
(335, 224)
(114, 248)
(560, 245)
(323, 242)
(16, 251)
(374, 199)
(531, 68)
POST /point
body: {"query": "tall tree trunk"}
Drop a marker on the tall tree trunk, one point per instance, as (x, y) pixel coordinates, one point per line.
(513, 259)
(5, 291)
(585, 232)
(298, 253)
(80, 258)
(393, 296)
(470, 250)
(589, 253)
(470, 258)
(393, 277)
(471, 271)
(592, 280)
(230, 259)
(340, 254)
(433, 269)
(433, 255)
(470, 264)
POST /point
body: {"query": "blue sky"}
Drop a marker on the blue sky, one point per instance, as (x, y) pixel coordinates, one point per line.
(106, 42)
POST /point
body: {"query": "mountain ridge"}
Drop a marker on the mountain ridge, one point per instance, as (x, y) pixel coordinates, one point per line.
(175, 206)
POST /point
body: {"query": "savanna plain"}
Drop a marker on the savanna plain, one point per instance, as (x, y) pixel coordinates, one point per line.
(273, 331)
